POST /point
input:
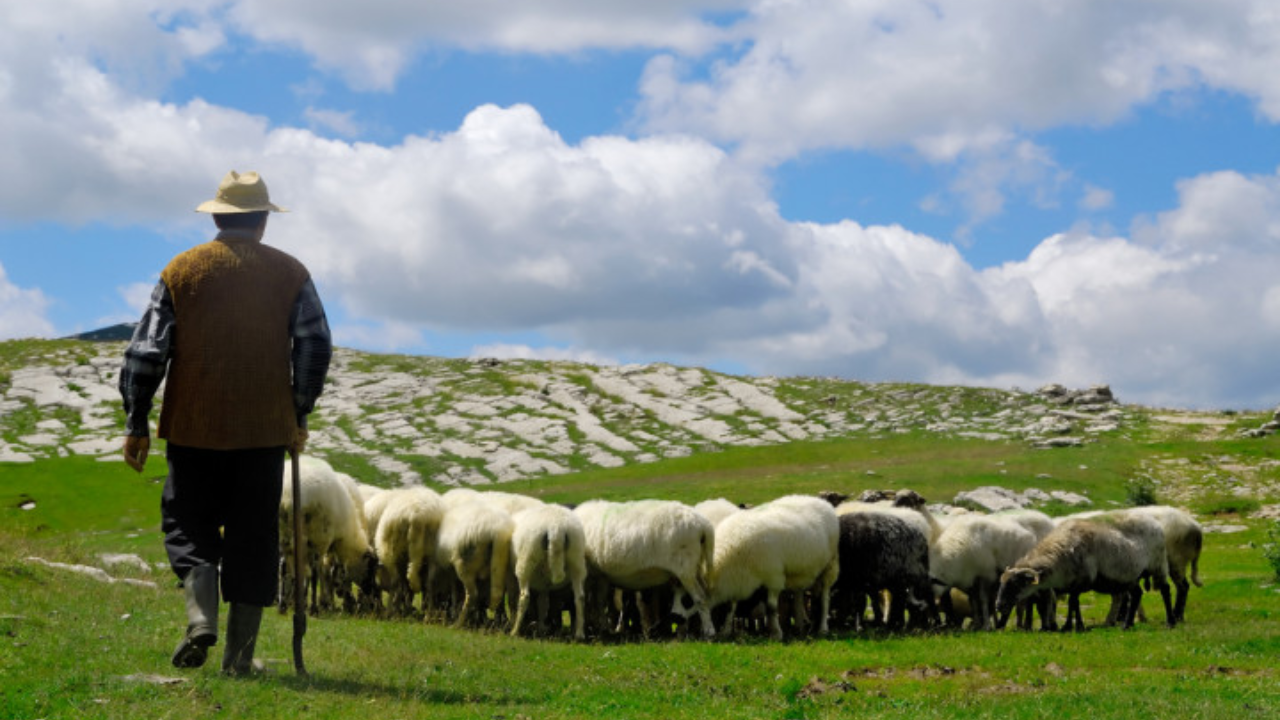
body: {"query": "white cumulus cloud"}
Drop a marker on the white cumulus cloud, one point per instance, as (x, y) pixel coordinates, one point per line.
(669, 246)
(23, 311)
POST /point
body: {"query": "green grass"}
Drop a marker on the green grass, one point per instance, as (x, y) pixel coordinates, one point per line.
(68, 644)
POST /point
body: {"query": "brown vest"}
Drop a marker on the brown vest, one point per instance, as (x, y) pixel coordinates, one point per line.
(230, 380)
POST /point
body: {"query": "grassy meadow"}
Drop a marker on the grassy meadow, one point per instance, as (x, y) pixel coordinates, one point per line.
(72, 646)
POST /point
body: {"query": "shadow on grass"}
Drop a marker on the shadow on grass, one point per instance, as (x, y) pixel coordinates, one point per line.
(366, 689)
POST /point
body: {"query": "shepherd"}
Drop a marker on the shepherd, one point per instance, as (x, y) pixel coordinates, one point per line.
(238, 330)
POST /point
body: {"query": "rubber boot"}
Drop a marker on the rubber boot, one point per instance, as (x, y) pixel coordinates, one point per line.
(242, 633)
(201, 590)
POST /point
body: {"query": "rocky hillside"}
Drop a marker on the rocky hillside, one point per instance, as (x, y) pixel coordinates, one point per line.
(474, 422)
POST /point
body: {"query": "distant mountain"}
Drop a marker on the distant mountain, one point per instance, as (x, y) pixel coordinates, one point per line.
(115, 333)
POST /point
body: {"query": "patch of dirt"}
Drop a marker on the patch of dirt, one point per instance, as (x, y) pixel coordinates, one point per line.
(817, 687)
(923, 672)
(1007, 688)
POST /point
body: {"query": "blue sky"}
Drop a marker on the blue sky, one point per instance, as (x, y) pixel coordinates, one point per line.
(950, 192)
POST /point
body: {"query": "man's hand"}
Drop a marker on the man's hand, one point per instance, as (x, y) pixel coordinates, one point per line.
(299, 442)
(136, 448)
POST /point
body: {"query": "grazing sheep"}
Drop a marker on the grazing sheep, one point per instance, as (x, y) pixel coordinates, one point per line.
(549, 547)
(1078, 556)
(971, 553)
(880, 552)
(791, 543)
(1184, 539)
(406, 543)
(1147, 525)
(1040, 525)
(474, 541)
(648, 543)
(337, 545)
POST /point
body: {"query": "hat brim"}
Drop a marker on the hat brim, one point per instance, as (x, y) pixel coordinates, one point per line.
(220, 208)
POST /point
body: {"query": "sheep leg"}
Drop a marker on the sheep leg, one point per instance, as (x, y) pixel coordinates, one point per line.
(1118, 609)
(1184, 586)
(314, 592)
(620, 607)
(730, 627)
(470, 590)
(428, 593)
(1134, 600)
(1170, 614)
(978, 605)
(800, 612)
(497, 593)
(694, 589)
(1075, 621)
(857, 607)
(540, 619)
(285, 583)
(826, 582)
(1045, 603)
(920, 598)
(646, 611)
(947, 608)
(897, 614)
(771, 605)
(521, 609)
(579, 610)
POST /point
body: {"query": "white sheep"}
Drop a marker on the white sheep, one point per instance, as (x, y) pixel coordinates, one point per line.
(648, 543)
(512, 503)
(474, 542)
(337, 545)
(549, 547)
(790, 543)
(716, 510)
(970, 555)
(368, 492)
(1184, 539)
(406, 542)
(1080, 555)
(1037, 522)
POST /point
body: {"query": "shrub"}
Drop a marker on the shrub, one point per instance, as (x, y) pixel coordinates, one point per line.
(1271, 548)
(1140, 491)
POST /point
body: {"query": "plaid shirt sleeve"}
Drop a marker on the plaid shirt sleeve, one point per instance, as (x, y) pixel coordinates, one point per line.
(312, 350)
(146, 360)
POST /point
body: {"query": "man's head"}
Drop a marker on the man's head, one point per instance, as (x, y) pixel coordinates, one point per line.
(251, 221)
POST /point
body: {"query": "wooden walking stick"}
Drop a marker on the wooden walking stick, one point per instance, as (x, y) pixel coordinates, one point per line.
(299, 558)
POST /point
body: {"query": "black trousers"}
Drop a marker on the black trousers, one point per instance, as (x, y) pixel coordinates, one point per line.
(222, 507)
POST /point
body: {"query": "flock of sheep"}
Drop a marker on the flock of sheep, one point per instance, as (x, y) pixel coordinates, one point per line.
(652, 566)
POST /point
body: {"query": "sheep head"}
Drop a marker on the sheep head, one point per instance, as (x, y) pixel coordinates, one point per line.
(908, 499)
(1016, 585)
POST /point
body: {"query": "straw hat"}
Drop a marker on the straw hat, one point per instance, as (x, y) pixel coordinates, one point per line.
(240, 193)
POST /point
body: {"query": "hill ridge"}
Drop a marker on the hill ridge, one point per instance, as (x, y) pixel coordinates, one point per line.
(475, 422)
